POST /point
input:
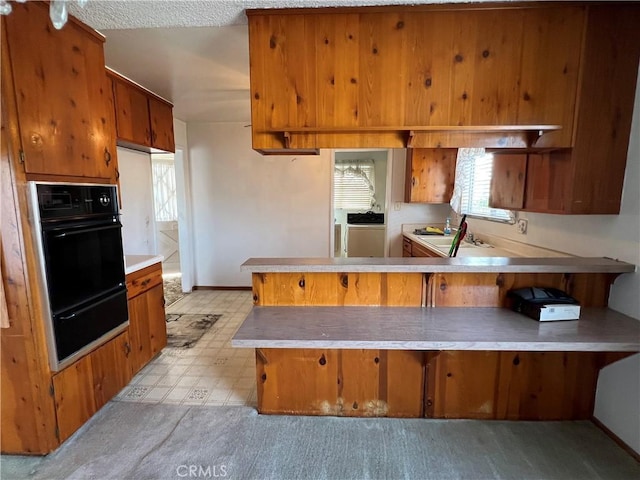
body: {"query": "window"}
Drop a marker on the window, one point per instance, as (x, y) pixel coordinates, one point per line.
(164, 189)
(354, 184)
(472, 185)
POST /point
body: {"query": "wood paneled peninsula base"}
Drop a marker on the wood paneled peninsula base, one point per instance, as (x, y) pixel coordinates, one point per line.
(430, 337)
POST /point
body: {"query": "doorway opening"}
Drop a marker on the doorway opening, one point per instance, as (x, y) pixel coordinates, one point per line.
(359, 202)
(163, 172)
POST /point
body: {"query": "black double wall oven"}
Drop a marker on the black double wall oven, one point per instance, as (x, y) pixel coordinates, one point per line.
(79, 239)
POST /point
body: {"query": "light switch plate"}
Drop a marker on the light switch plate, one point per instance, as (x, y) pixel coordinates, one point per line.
(521, 226)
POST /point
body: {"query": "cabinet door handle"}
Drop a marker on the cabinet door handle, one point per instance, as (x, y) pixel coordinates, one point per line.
(413, 181)
(107, 156)
(117, 174)
(146, 282)
(127, 349)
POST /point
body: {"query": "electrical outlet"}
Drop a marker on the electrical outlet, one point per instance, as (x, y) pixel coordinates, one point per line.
(521, 226)
(397, 206)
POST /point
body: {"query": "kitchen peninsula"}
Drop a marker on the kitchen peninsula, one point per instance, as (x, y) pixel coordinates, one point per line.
(430, 337)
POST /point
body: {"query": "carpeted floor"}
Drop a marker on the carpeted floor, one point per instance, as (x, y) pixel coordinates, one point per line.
(142, 441)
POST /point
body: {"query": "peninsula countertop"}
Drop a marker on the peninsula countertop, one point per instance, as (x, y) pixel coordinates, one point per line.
(438, 265)
(411, 328)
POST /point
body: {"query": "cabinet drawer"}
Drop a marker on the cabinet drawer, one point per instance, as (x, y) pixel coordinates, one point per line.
(143, 280)
(420, 251)
(406, 247)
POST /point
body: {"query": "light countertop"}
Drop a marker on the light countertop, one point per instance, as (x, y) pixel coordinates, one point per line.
(133, 263)
(438, 265)
(494, 247)
(409, 328)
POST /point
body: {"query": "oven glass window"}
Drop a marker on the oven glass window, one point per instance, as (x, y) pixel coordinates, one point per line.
(82, 263)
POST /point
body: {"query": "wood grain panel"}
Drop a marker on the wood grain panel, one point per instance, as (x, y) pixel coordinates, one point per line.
(337, 289)
(552, 38)
(132, 113)
(466, 289)
(74, 396)
(63, 108)
(512, 385)
(298, 381)
(428, 68)
(610, 64)
(462, 384)
(111, 369)
(494, 60)
(465, 32)
(147, 322)
(405, 382)
(139, 330)
(27, 414)
(337, 67)
(161, 118)
(81, 389)
(547, 385)
(359, 390)
(548, 185)
(430, 174)
(157, 320)
(508, 181)
(359, 383)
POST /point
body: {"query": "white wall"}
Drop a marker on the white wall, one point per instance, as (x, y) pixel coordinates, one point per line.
(138, 226)
(615, 236)
(248, 205)
(184, 198)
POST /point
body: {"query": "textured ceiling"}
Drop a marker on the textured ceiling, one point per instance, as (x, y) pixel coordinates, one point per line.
(193, 53)
(119, 14)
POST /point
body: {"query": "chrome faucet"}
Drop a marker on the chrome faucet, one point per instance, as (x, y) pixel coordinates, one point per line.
(470, 238)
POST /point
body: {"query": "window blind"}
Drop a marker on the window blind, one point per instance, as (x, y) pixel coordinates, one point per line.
(354, 184)
(473, 172)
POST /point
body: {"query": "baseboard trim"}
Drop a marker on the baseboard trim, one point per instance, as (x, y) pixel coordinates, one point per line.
(621, 443)
(207, 287)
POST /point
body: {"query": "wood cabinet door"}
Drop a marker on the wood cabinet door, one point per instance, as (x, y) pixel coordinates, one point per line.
(407, 246)
(430, 173)
(147, 326)
(62, 93)
(161, 115)
(132, 113)
(418, 250)
(81, 389)
(508, 181)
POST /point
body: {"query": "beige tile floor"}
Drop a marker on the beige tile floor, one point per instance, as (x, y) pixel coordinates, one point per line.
(210, 373)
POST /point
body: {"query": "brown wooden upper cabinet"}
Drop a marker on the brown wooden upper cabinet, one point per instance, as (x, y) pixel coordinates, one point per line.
(587, 178)
(430, 173)
(421, 76)
(556, 81)
(144, 121)
(63, 98)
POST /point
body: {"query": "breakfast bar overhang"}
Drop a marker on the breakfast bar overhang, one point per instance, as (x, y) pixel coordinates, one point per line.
(430, 337)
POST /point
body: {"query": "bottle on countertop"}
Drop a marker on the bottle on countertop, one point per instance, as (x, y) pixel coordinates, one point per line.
(447, 227)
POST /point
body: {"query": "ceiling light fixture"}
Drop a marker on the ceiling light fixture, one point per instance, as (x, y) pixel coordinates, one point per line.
(57, 10)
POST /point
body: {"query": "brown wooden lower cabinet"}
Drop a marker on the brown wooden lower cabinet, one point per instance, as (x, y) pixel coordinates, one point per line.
(510, 385)
(505, 385)
(84, 387)
(513, 385)
(352, 383)
(147, 322)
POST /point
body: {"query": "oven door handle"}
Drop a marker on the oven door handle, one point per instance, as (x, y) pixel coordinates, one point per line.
(87, 230)
(89, 307)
